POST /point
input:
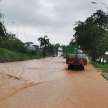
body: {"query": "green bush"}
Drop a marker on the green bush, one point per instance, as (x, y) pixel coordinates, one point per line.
(8, 55)
(103, 67)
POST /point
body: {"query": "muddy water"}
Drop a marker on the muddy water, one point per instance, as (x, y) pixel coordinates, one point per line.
(35, 70)
(46, 83)
(16, 76)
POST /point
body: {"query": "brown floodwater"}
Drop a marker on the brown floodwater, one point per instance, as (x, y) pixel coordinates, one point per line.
(46, 83)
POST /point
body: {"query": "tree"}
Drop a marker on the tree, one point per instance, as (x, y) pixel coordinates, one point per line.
(3, 32)
(73, 42)
(91, 34)
(13, 43)
(100, 18)
(44, 43)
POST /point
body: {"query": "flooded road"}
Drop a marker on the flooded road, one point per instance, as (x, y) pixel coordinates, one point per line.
(46, 83)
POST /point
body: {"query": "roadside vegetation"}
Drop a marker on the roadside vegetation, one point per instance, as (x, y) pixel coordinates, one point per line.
(91, 36)
(8, 56)
(13, 49)
(104, 68)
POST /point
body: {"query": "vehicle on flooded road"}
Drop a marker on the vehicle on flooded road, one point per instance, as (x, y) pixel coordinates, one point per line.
(75, 58)
(74, 62)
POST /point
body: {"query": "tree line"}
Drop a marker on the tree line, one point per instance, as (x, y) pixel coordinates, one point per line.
(11, 42)
(92, 35)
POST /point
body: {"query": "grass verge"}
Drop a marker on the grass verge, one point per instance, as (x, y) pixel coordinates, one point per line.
(7, 56)
(104, 68)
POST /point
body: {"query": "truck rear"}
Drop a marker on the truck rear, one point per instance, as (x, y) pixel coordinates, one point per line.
(73, 59)
(75, 62)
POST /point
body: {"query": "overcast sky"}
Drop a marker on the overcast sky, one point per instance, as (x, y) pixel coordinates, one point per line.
(30, 19)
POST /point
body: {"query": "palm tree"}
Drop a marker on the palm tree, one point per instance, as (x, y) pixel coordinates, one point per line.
(44, 42)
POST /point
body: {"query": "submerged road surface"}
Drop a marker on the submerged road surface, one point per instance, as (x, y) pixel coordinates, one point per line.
(46, 83)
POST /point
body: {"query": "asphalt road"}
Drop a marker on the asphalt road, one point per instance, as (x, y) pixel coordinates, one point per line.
(46, 83)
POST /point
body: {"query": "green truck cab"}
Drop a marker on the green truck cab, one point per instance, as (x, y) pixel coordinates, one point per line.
(69, 51)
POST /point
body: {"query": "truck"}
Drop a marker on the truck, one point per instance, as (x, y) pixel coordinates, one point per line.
(69, 50)
(75, 58)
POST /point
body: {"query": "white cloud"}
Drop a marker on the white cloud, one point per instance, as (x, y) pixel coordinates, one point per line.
(29, 19)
